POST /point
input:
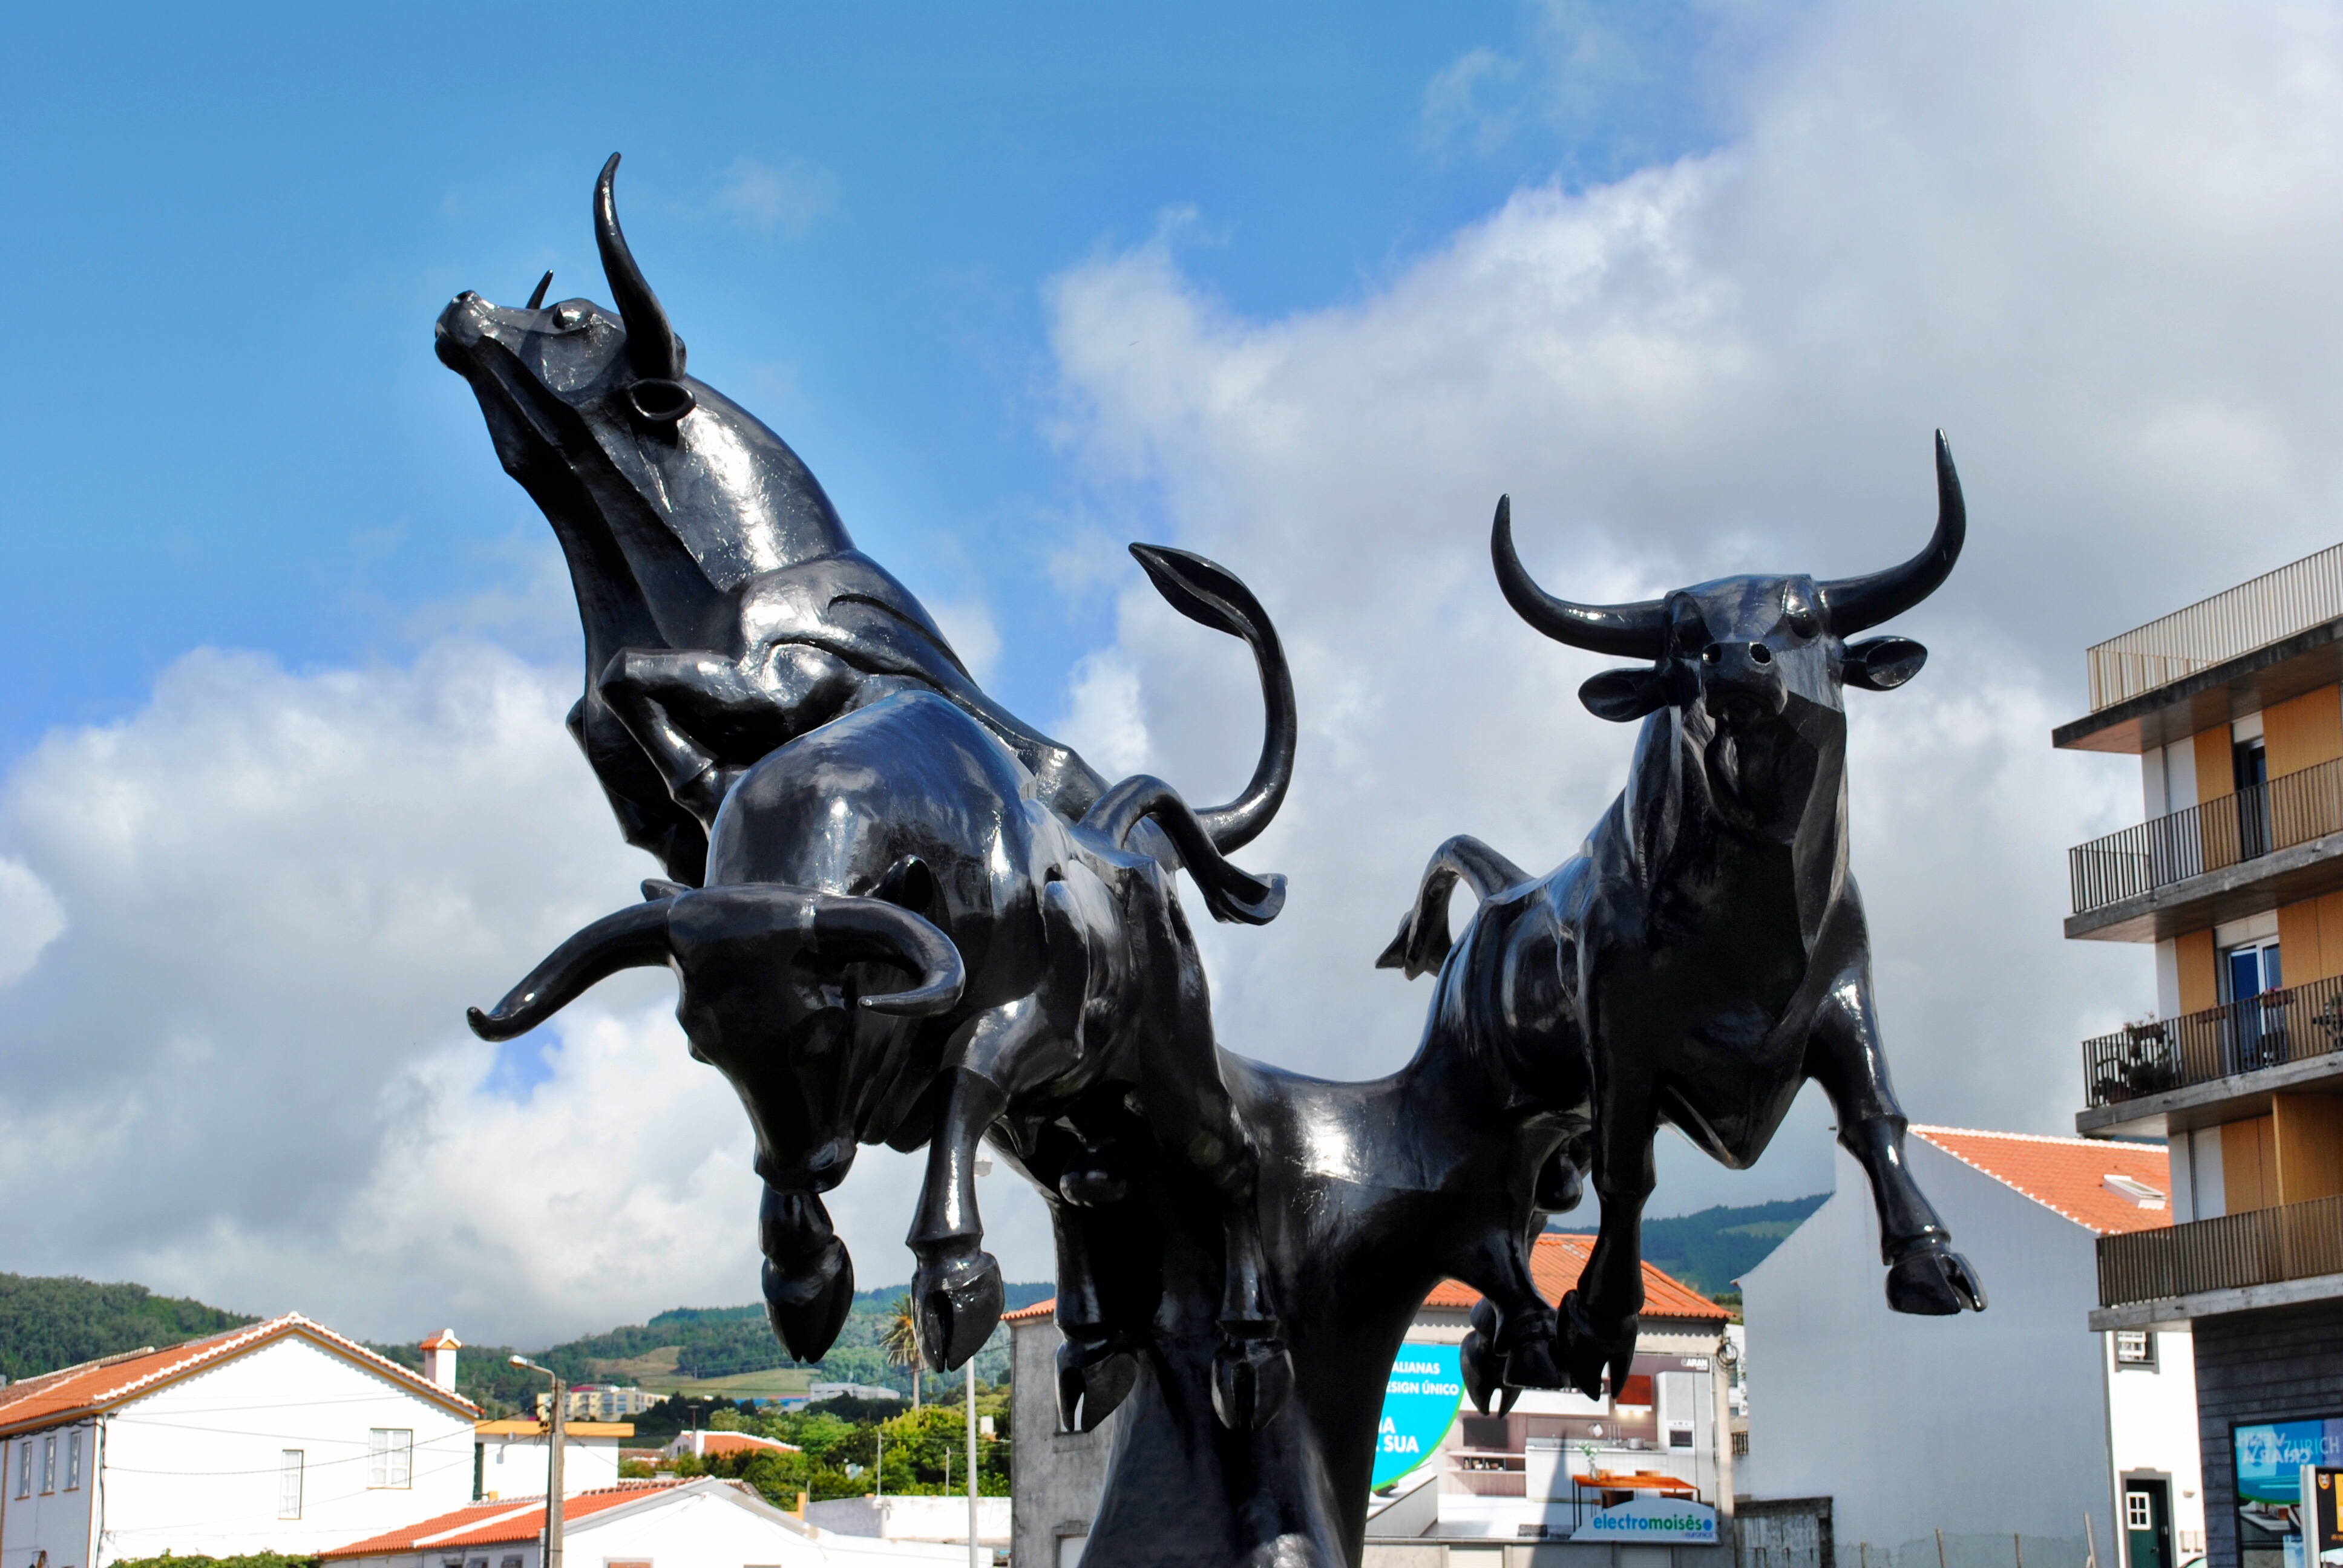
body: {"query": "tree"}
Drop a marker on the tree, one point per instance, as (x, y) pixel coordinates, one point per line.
(899, 1339)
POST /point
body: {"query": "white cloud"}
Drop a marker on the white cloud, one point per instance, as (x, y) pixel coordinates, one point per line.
(785, 198)
(30, 919)
(241, 1069)
(2093, 244)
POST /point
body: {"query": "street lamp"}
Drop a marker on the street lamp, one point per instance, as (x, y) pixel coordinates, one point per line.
(553, 1471)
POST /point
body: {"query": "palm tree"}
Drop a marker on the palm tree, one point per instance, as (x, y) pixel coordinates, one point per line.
(899, 1342)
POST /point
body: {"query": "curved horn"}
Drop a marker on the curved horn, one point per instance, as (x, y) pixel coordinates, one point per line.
(632, 939)
(1638, 630)
(1851, 604)
(652, 347)
(892, 934)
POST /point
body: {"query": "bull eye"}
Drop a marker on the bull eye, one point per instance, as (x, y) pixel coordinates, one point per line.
(1711, 654)
(566, 317)
(1801, 619)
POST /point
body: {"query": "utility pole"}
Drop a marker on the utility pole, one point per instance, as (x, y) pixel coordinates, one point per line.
(553, 1470)
(972, 1547)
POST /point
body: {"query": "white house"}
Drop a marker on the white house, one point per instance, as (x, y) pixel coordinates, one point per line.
(700, 1523)
(2005, 1428)
(514, 1458)
(283, 1436)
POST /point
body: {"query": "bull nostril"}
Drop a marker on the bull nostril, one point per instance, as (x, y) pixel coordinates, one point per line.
(1760, 654)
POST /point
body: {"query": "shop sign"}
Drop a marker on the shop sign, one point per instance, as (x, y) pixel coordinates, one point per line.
(2271, 1458)
(2322, 1515)
(1654, 1520)
(1420, 1402)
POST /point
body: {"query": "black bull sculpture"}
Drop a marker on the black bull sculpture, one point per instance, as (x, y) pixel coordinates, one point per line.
(899, 914)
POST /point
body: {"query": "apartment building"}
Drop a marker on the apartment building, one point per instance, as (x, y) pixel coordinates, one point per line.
(2234, 706)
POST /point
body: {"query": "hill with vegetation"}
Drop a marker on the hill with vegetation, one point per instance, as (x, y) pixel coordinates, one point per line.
(53, 1322)
(1710, 1250)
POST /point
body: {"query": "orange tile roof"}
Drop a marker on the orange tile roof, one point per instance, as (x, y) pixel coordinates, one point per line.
(739, 1442)
(1557, 1260)
(445, 1340)
(509, 1519)
(75, 1391)
(1555, 1263)
(2066, 1175)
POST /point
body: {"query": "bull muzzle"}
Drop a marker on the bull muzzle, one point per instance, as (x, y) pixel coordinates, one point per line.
(1741, 683)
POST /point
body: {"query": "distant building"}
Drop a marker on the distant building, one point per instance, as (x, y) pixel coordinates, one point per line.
(822, 1391)
(598, 1401)
(690, 1524)
(2004, 1429)
(1469, 1480)
(515, 1458)
(710, 1444)
(283, 1436)
(936, 1520)
(2234, 878)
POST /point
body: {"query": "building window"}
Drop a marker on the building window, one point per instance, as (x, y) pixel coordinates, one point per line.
(25, 1468)
(512, 1562)
(49, 1463)
(288, 1484)
(73, 1459)
(390, 1456)
(2135, 1348)
(2137, 1515)
(1741, 1446)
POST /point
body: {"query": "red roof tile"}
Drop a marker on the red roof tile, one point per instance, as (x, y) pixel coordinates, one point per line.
(78, 1391)
(2066, 1175)
(510, 1519)
(1555, 1263)
(1557, 1260)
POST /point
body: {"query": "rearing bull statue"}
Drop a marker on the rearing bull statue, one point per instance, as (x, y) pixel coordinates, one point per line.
(1705, 954)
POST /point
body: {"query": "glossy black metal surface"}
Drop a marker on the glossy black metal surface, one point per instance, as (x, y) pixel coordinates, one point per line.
(897, 914)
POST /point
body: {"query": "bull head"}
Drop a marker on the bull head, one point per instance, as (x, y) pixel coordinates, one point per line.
(1740, 648)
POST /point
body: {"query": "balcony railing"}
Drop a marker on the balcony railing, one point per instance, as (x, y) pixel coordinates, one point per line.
(2278, 1026)
(2292, 808)
(2272, 606)
(2259, 1247)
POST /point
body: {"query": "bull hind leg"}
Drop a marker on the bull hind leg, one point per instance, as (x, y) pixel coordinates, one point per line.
(1601, 1316)
(1924, 1275)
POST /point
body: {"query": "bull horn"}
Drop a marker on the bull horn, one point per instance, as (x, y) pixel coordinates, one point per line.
(1852, 604)
(875, 928)
(1638, 630)
(652, 347)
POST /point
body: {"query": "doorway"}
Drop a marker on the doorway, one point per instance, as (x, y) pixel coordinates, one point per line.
(2148, 1523)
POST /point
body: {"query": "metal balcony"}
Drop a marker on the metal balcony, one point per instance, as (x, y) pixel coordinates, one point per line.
(2226, 832)
(2271, 607)
(2236, 1252)
(2278, 1027)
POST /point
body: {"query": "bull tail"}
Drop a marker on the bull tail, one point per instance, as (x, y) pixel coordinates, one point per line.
(1229, 893)
(1423, 942)
(632, 939)
(1211, 595)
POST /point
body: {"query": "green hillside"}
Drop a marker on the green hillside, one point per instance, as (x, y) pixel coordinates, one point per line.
(1710, 1250)
(51, 1322)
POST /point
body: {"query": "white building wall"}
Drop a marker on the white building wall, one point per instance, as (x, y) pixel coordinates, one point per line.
(50, 1510)
(198, 1466)
(1986, 1425)
(519, 1465)
(2152, 1421)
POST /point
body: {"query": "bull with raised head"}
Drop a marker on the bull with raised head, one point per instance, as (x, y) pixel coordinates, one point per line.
(1705, 954)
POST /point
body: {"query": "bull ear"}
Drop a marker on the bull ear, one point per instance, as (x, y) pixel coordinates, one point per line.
(1884, 663)
(1622, 695)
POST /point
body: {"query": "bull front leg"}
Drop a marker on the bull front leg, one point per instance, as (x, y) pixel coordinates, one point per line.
(1510, 1346)
(956, 1290)
(1601, 1315)
(1924, 1275)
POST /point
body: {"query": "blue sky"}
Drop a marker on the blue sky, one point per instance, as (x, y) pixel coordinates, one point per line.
(283, 784)
(226, 426)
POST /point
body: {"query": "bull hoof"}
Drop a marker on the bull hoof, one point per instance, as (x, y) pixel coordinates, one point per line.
(1094, 1377)
(959, 1305)
(808, 1308)
(1252, 1378)
(1588, 1352)
(1531, 1364)
(1934, 1282)
(1484, 1375)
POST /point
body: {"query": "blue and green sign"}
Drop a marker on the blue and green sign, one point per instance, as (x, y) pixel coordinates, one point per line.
(1419, 1403)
